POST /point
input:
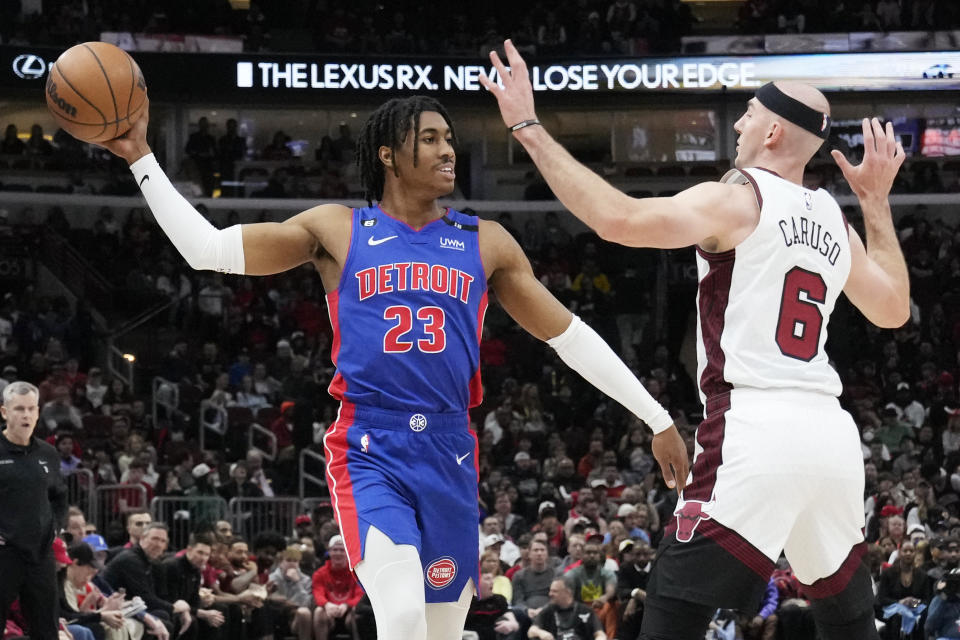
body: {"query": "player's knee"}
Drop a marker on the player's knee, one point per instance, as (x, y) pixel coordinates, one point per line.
(849, 613)
(854, 626)
(406, 621)
(667, 618)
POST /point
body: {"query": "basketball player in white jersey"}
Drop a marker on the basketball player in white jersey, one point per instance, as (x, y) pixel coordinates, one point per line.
(777, 465)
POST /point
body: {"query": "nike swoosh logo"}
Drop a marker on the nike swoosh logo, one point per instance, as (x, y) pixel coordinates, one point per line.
(374, 241)
(144, 179)
(461, 458)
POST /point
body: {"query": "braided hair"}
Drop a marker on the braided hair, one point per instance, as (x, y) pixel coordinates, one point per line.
(388, 126)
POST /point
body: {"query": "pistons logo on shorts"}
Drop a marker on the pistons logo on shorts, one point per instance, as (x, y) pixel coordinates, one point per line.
(441, 572)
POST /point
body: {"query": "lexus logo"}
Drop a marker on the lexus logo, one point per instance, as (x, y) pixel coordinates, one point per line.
(29, 66)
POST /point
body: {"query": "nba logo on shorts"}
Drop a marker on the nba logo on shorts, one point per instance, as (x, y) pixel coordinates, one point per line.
(365, 442)
(441, 572)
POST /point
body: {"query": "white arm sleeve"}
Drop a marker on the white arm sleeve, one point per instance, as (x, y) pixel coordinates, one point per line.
(199, 242)
(585, 352)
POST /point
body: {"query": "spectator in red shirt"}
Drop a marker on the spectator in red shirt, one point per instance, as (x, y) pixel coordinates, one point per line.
(336, 593)
(131, 499)
(592, 459)
(282, 427)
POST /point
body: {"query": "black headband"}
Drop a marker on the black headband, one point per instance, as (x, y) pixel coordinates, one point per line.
(794, 111)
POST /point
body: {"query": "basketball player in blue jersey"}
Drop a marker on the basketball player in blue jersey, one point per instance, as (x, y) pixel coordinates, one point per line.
(777, 465)
(406, 284)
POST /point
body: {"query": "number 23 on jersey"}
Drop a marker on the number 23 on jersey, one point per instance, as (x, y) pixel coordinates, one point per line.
(432, 320)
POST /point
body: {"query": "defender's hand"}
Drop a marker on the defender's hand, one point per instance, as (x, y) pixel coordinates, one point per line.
(671, 453)
(516, 96)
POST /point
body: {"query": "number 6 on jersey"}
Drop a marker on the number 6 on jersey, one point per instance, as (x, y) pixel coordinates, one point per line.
(798, 329)
(433, 319)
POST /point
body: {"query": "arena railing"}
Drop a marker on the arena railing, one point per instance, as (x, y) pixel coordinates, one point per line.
(184, 513)
(251, 516)
(81, 491)
(113, 501)
(212, 417)
(255, 435)
(316, 479)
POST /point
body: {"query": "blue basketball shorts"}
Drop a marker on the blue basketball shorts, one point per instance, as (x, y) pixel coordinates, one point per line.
(413, 476)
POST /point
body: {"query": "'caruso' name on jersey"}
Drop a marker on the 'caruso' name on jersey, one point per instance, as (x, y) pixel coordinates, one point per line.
(801, 231)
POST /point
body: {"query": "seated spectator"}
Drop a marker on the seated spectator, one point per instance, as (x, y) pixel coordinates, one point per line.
(131, 451)
(596, 586)
(117, 399)
(60, 412)
(136, 522)
(336, 593)
(82, 602)
(490, 564)
(258, 476)
(133, 571)
(37, 144)
(632, 580)
(76, 522)
(888, 13)
(944, 609)
(133, 499)
(551, 34)
(549, 524)
(68, 461)
(241, 573)
(513, 524)
(179, 580)
(11, 143)
(566, 618)
(277, 149)
(486, 609)
(279, 612)
(282, 428)
(239, 485)
(574, 556)
(904, 583)
(248, 396)
(762, 625)
(531, 585)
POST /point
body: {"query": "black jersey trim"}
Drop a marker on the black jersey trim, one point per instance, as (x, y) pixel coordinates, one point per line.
(459, 225)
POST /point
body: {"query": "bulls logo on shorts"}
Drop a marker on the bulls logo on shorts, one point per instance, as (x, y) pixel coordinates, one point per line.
(689, 517)
(441, 572)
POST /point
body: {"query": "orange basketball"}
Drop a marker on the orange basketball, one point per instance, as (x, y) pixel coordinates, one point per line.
(95, 91)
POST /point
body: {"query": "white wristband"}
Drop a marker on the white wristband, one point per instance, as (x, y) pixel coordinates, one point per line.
(585, 352)
(199, 242)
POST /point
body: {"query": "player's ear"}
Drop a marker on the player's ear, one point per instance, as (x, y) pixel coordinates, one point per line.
(386, 156)
(774, 134)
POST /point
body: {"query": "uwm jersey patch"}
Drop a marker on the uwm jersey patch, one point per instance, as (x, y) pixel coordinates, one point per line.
(408, 313)
(764, 306)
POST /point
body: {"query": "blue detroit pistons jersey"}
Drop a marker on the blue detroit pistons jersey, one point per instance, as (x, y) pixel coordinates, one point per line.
(407, 314)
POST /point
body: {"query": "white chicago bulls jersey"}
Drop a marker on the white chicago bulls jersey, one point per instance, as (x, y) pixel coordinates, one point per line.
(763, 307)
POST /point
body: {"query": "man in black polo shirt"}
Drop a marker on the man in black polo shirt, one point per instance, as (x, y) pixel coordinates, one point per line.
(181, 577)
(564, 618)
(33, 506)
(133, 570)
